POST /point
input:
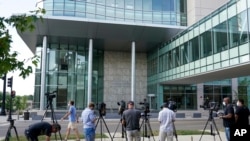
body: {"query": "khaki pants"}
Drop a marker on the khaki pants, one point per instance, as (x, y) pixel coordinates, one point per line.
(169, 135)
(133, 134)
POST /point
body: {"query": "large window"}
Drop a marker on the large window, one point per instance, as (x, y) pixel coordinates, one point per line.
(66, 73)
(143, 11)
(220, 37)
(206, 44)
(184, 96)
(194, 49)
(216, 93)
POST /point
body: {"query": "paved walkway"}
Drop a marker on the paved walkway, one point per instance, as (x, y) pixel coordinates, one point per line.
(3, 120)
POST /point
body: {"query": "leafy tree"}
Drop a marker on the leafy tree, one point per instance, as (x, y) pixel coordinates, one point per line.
(8, 59)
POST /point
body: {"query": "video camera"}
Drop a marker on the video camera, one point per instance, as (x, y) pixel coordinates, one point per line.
(102, 109)
(213, 106)
(145, 106)
(51, 95)
(170, 105)
(122, 107)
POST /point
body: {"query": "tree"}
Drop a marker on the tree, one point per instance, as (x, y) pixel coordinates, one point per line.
(8, 60)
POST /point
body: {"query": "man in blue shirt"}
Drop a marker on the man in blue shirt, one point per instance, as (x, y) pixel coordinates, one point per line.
(73, 120)
(88, 120)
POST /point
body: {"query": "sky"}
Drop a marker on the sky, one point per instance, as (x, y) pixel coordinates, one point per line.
(8, 8)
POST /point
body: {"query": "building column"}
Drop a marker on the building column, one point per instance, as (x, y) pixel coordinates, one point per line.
(234, 85)
(133, 72)
(200, 95)
(90, 61)
(43, 72)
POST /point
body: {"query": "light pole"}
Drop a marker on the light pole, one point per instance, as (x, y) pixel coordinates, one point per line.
(3, 113)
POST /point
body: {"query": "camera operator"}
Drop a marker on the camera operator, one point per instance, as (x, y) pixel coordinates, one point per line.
(228, 117)
(41, 128)
(88, 119)
(166, 118)
(131, 121)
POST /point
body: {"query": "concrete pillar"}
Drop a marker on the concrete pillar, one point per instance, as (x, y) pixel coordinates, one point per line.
(90, 61)
(200, 96)
(133, 72)
(43, 72)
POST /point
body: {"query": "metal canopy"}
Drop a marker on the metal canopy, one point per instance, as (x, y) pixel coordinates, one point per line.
(106, 35)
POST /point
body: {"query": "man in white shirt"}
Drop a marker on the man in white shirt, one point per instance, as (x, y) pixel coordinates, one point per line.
(166, 118)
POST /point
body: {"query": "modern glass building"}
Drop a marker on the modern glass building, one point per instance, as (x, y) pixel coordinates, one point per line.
(113, 50)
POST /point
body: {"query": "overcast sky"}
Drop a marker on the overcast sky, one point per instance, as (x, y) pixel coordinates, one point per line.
(8, 8)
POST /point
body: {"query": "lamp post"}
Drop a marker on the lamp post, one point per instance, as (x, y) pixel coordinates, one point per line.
(3, 113)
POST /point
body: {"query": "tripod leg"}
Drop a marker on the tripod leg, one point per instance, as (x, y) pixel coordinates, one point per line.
(97, 123)
(217, 129)
(7, 136)
(107, 129)
(124, 132)
(150, 129)
(16, 133)
(116, 129)
(204, 130)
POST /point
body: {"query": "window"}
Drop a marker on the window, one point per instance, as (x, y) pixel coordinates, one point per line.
(206, 44)
(220, 37)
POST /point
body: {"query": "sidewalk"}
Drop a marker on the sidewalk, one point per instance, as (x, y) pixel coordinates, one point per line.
(180, 138)
(3, 120)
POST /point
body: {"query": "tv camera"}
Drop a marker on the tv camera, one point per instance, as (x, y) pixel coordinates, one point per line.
(102, 109)
(170, 104)
(122, 107)
(145, 106)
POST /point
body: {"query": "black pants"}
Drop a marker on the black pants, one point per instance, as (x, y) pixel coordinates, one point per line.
(29, 137)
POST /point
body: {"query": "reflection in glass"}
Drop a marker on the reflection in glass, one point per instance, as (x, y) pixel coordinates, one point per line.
(220, 37)
(206, 44)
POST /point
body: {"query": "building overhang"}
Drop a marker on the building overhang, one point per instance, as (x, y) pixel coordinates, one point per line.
(235, 71)
(107, 35)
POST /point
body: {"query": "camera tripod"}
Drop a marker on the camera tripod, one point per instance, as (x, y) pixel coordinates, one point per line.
(8, 134)
(123, 129)
(145, 125)
(212, 122)
(53, 116)
(101, 119)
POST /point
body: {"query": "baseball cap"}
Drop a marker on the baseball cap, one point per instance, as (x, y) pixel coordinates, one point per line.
(131, 102)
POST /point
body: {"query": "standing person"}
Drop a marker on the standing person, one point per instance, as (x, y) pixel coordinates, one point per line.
(166, 118)
(241, 115)
(73, 120)
(228, 116)
(88, 119)
(41, 128)
(131, 122)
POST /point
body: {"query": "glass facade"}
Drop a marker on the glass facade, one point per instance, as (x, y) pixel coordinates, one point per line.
(243, 90)
(219, 40)
(167, 12)
(184, 96)
(67, 73)
(217, 90)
